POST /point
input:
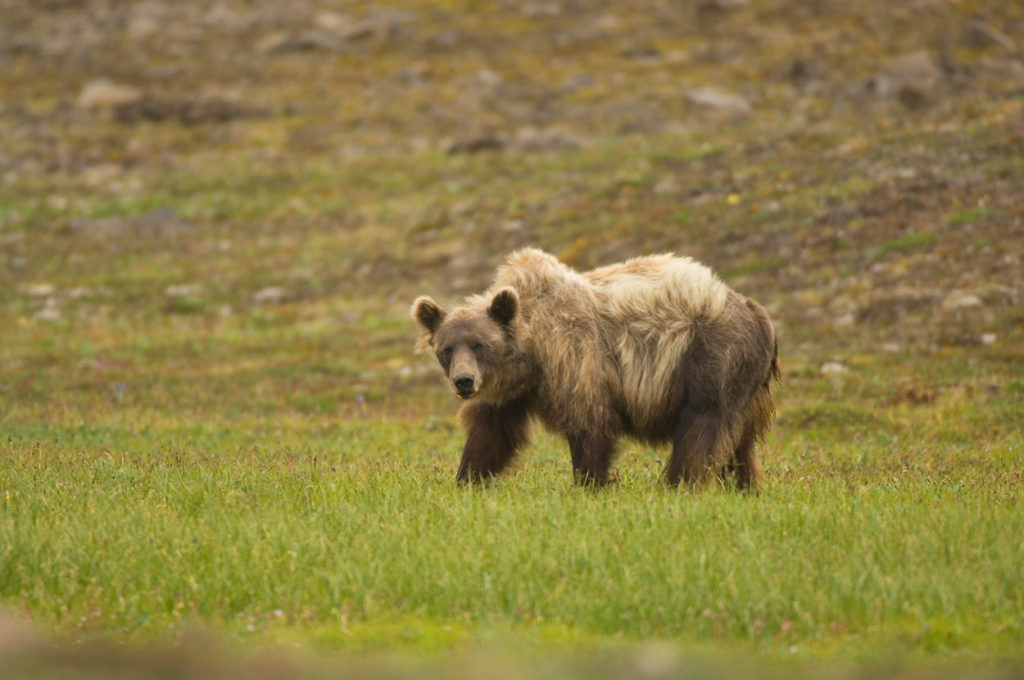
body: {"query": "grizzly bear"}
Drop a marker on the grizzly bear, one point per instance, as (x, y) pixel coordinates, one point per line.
(657, 348)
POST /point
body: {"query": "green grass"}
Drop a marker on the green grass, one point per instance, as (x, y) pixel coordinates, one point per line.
(968, 216)
(365, 528)
(905, 243)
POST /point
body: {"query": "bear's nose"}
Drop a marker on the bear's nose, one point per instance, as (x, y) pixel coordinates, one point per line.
(464, 384)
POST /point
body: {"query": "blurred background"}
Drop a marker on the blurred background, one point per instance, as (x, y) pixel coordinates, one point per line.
(834, 158)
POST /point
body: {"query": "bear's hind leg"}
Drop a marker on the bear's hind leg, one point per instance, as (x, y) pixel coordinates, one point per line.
(744, 463)
(494, 433)
(698, 448)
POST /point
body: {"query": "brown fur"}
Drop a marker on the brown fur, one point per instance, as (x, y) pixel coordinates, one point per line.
(656, 348)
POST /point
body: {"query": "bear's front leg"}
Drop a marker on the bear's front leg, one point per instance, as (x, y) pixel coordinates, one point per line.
(592, 454)
(494, 433)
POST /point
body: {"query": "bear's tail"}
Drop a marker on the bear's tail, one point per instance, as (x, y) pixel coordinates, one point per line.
(774, 374)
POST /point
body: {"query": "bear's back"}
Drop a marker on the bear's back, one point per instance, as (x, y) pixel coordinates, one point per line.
(658, 289)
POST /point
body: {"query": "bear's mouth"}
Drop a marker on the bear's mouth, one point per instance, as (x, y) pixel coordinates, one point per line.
(464, 394)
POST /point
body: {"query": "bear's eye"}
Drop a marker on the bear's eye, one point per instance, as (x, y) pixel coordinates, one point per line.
(477, 347)
(445, 354)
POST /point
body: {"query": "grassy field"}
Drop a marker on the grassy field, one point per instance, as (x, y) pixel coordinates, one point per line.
(212, 419)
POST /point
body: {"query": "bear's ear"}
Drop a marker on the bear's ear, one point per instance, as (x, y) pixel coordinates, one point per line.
(504, 306)
(428, 313)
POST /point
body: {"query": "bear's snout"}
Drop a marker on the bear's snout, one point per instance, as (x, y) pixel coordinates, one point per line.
(465, 385)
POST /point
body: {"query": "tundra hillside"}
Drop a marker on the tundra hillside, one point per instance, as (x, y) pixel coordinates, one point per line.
(214, 218)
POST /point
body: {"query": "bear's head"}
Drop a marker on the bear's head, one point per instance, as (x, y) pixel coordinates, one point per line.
(473, 343)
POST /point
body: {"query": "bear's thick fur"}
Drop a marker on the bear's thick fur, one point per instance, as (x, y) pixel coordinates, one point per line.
(656, 348)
